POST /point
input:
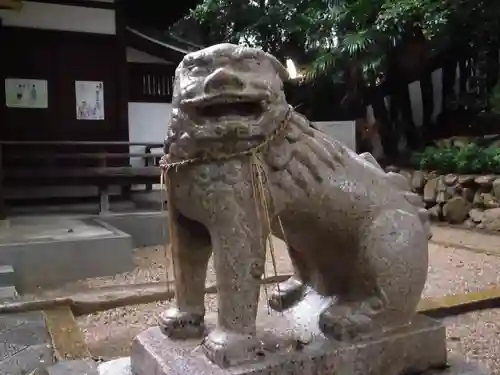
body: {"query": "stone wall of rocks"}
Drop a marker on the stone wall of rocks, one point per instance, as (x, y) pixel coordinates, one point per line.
(460, 199)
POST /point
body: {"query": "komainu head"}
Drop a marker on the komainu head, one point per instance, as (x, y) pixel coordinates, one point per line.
(226, 97)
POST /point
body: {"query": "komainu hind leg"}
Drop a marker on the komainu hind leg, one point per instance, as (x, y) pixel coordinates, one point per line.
(289, 292)
(347, 320)
(191, 255)
(384, 292)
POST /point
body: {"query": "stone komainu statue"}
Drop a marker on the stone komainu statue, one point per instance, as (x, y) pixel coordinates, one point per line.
(354, 231)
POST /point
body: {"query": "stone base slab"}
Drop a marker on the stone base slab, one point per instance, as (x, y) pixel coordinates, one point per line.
(458, 366)
(413, 349)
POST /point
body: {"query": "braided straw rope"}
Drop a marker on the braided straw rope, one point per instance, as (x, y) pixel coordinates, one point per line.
(209, 157)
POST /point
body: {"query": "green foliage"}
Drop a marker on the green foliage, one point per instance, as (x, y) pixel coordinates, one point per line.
(469, 158)
(334, 36)
(368, 30)
(349, 41)
(269, 24)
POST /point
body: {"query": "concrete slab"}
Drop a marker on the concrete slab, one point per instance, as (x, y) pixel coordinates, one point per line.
(25, 229)
(77, 367)
(7, 276)
(119, 366)
(7, 292)
(50, 250)
(80, 208)
(26, 360)
(24, 343)
(10, 321)
(31, 331)
(146, 228)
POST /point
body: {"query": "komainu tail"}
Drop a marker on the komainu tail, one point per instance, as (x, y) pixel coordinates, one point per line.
(404, 185)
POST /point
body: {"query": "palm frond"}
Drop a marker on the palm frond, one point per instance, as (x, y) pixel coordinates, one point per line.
(335, 3)
(355, 43)
(325, 64)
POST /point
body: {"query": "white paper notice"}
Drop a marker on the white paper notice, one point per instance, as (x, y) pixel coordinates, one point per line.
(89, 100)
(26, 93)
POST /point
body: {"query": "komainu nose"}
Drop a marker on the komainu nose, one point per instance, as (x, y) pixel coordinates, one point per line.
(223, 79)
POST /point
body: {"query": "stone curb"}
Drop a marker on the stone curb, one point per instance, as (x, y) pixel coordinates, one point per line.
(467, 248)
(67, 339)
(457, 304)
(464, 228)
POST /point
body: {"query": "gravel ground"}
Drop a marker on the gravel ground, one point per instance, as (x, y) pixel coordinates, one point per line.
(151, 266)
(453, 271)
(474, 335)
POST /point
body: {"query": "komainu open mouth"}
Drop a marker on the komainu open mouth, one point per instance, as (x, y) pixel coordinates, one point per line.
(238, 108)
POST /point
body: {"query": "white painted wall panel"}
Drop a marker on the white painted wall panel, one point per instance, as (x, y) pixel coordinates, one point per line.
(342, 131)
(61, 17)
(147, 122)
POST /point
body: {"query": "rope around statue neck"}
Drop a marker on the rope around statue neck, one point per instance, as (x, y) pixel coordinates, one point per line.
(165, 166)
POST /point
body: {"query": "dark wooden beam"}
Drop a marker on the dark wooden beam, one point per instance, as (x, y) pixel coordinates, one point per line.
(158, 14)
(11, 4)
(54, 156)
(3, 213)
(123, 79)
(78, 3)
(80, 143)
(139, 40)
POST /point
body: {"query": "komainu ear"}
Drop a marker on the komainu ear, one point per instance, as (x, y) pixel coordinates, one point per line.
(279, 67)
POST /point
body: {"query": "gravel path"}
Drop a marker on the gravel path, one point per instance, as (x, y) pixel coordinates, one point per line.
(453, 271)
(151, 266)
(474, 335)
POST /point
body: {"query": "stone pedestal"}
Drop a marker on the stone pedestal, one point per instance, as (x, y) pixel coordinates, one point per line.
(292, 344)
(414, 349)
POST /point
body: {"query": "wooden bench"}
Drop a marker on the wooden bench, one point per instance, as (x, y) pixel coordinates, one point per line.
(47, 172)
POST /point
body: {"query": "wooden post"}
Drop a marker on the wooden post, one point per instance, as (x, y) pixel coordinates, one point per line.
(103, 189)
(3, 214)
(147, 160)
(123, 81)
(104, 200)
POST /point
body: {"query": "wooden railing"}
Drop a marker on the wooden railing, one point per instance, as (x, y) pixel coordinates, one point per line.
(63, 163)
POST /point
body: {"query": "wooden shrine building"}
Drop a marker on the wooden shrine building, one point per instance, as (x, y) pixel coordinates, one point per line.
(87, 93)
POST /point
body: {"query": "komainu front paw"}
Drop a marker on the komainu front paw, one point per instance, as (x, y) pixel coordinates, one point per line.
(351, 321)
(179, 325)
(227, 349)
(286, 294)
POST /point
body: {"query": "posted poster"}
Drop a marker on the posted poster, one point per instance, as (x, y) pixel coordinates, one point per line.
(26, 93)
(89, 100)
